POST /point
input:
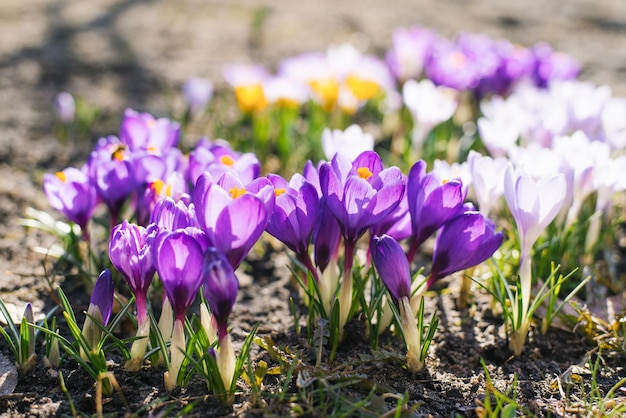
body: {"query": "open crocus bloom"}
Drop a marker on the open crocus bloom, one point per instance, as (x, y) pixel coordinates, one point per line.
(71, 192)
(141, 131)
(233, 215)
(360, 193)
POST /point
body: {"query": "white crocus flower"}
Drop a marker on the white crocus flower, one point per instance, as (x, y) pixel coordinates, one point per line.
(429, 105)
(487, 179)
(533, 204)
(349, 143)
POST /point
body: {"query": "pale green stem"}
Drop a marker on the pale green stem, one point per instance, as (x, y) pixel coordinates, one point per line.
(177, 356)
(226, 361)
(412, 336)
(139, 347)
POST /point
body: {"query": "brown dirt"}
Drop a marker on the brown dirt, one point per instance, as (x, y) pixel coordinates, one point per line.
(118, 54)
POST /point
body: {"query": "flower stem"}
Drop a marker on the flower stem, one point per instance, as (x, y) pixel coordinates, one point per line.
(345, 293)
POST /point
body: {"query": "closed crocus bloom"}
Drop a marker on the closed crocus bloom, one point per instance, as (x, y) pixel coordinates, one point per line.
(392, 266)
(465, 241)
(432, 203)
(220, 290)
(141, 131)
(350, 143)
(71, 192)
(171, 215)
(100, 307)
(533, 206)
(487, 179)
(130, 251)
(178, 258)
(198, 93)
(231, 214)
(393, 269)
(220, 287)
(65, 107)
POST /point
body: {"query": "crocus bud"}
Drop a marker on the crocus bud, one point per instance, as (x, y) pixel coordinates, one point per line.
(392, 265)
(100, 306)
(65, 107)
(220, 291)
(220, 287)
(393, 269)
(197, 93)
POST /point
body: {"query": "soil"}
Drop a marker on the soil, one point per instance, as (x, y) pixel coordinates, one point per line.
(134, 53)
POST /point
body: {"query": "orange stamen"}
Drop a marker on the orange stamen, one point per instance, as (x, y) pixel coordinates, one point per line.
(227, 160)
(364, 173)
(278, 192)
(236, 192)
(61, 176)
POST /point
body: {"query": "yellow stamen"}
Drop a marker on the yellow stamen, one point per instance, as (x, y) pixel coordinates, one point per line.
(61, 176)
(118, 153)
(236, 192)
(364, 173)
(227, 160)
(157, 186)
(278, 192)
(361, 88)
(444, 181)
(153, 149)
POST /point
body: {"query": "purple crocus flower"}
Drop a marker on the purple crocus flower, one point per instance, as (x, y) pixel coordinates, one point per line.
(171, 215)
(178, 259)
(220, 287)
(393, 268)
(71, 192)
(465, 241)
(398, 223)
(65, 107)
(218, 158)
(233, 215)
(197, 93)
(141, 131)
(360, 193)
(111, 171)
(432, 203)
(131, 253)
(220, 290)
(410, 51)
(550, 65)
(295, 215)
(327, 234)
(100, 307)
